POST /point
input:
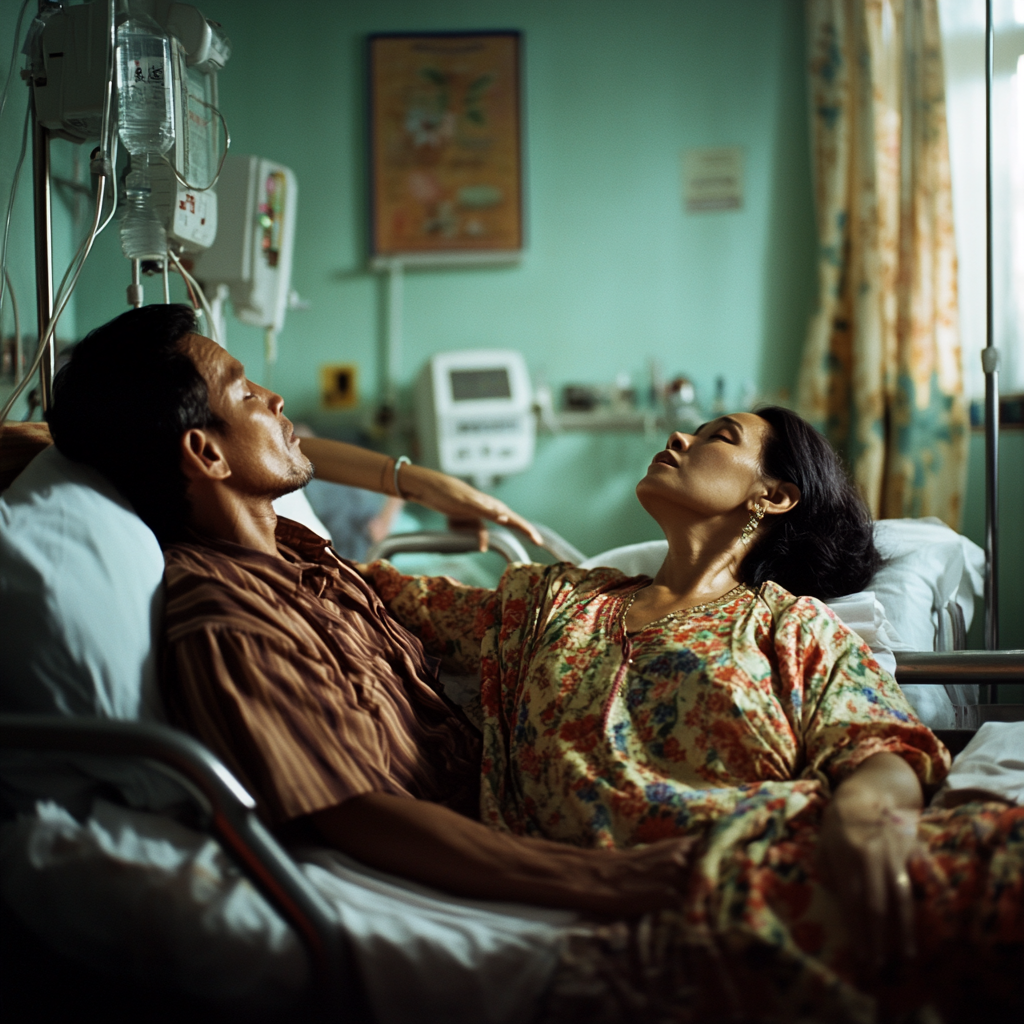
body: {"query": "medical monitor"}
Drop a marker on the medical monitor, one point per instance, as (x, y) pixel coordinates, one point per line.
(474, 414)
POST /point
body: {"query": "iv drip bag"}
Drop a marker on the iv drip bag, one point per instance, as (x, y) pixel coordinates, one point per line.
(145, 119)
(145, 99)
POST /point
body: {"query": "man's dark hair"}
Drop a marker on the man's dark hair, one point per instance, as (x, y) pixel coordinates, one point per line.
(824, 547)
(122, 404)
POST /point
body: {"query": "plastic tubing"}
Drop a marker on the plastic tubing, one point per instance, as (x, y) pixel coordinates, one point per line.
(220, 165)
(14, 58)
(17, 327)
(73, 271)
(10, 204)
(194, 285)
(64, 297)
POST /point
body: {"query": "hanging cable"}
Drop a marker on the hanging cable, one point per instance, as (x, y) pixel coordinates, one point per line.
(189, 279)
(220, 165)
(14, 58)
(102, 166)
(10, 203)
(17, 355)
(21, 155)
(191, 294)
(64, 296)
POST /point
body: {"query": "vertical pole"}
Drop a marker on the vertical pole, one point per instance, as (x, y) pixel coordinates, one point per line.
(990, 364)
(44, 252)
(395, 314)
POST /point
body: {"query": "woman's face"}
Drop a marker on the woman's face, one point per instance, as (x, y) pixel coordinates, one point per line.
(712, 472)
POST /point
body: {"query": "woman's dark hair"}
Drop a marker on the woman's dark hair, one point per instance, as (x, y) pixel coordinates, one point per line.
(824, 547)
(122, 404)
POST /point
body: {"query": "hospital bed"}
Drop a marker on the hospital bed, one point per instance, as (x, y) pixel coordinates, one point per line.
(251, 928)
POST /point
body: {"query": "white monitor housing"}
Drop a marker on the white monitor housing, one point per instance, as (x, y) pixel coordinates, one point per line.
(474, 414)
(252, 254)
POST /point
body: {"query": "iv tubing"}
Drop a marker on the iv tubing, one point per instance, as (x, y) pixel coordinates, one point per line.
(85, 248)
(193, 283)
(10, 204)
(14, 58)
(21, 158)
(44, 343)
(220, 165)
(17, 328)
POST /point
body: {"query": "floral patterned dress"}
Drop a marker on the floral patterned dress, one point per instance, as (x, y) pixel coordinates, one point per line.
(732, 724)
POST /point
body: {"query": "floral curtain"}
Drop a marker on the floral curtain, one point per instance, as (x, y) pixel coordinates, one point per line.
(881, 373)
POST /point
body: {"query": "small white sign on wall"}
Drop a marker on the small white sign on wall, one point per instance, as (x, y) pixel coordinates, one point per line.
(713, 179)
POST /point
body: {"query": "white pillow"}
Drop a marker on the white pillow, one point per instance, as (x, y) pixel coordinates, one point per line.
(81, 595)
(296, 506)
(928, 566)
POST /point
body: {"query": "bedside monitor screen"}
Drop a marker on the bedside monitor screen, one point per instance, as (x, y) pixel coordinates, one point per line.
(473, 385)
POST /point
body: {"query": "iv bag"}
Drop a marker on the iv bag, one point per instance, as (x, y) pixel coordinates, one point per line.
(145, 98)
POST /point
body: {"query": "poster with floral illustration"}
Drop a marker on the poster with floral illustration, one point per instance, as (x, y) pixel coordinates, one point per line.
(445, 172)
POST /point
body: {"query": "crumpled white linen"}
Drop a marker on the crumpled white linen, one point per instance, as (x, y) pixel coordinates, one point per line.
(992, 762)
(150, 900)
(432, 958)
(140, 897)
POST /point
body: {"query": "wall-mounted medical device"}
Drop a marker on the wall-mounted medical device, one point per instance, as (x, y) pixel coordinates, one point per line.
(167, 57)
(252, 255)
(474, 414)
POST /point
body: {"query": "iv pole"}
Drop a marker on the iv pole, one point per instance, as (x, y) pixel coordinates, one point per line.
(44, 250)
(990, 364)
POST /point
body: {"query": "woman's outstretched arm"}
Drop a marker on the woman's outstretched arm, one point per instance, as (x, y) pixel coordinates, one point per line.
(342, 463)
(869, 835)
(432, 844)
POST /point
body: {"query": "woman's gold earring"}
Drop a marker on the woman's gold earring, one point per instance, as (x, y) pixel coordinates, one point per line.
(756, 515)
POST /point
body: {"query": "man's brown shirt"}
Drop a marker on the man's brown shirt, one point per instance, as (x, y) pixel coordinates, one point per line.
(293, 673)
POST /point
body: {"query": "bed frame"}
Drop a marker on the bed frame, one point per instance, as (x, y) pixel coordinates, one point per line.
(228, 813)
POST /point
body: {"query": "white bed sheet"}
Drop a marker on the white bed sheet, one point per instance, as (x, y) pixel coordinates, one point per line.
(151, 900)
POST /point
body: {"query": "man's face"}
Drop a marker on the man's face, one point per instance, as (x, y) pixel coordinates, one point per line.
(258, 442)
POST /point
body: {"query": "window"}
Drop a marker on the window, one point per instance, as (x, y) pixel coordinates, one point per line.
(963, 35)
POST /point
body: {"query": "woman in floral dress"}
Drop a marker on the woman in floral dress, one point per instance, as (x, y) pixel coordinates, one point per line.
(710, 702)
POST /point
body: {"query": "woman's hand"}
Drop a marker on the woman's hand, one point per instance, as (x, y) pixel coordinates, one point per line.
(465, 506)
(868, 839)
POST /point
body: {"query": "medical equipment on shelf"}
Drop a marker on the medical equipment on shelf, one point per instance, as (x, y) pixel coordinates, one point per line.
(474, 414)
(251, 259)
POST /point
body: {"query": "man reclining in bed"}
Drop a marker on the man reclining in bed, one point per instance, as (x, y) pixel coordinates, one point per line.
(707, 707)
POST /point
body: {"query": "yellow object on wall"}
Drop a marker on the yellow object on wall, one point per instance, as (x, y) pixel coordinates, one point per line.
(339, 385)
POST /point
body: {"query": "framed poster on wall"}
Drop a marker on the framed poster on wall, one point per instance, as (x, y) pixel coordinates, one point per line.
(445, 147)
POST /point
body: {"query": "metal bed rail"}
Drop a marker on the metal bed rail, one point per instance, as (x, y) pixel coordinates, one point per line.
(231, 815)
(936, 668)
(449, 542)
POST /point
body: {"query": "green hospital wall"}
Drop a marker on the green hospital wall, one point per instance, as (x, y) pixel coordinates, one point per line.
(615, 272)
